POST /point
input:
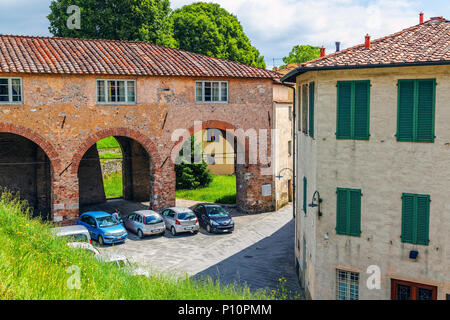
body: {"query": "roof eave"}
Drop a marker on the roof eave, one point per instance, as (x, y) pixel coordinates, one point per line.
(292, 76)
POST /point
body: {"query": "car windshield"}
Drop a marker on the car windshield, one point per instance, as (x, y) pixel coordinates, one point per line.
(153, 220)
(217, 212)
(109, 221)
(186, 216)
(75, 238)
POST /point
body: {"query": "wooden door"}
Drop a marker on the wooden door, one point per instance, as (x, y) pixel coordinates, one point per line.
(404, 290)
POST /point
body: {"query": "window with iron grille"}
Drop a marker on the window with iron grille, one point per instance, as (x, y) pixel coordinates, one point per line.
(347, 285)
(211, 92)
(11, 91)
(116, 91)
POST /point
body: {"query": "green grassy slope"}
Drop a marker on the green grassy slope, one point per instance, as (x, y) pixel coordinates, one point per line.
(34, 264)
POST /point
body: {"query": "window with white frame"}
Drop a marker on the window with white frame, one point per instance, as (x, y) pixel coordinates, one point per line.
(10, 90)
(347, 285)
(211, 91)
(116, 91)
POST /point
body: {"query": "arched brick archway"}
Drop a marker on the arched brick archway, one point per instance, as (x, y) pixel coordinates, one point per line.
(48, 148)
(210, 124)
(29, 162)
(146, 142)
(249, 177)
(162, 188)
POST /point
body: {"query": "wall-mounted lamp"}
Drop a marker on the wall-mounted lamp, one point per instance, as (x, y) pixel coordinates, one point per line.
(316, 202)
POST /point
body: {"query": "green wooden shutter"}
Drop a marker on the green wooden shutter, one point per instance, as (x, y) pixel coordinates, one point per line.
(425, 110)
(361, 113)
(344, 112)
(355, 213)
(423, 220)
(405, 116)
(408, 209)
(305, 193)
(311, 109)
(342, 209)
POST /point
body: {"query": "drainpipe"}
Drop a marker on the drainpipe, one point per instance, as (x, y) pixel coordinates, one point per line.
(294, 152)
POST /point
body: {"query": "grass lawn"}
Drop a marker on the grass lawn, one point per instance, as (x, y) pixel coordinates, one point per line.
(221, 190)
(113, 185)
(108, 143)
(36, 265)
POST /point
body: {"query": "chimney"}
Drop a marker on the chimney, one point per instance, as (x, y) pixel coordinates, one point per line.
(421, 18)
(322, 51)
(338, 46)
(367, 44)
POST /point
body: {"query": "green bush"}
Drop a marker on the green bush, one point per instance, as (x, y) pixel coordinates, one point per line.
(192, 175)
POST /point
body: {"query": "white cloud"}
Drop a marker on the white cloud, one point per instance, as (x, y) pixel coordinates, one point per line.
(275, 26)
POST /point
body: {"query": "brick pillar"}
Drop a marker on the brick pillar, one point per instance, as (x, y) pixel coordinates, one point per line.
(250, 180)
(65, 202)
(164, 183)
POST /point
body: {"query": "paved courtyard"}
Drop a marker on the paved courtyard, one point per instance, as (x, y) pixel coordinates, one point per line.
(259, 252)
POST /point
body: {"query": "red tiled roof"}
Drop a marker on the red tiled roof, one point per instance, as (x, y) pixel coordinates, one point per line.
(24, 54)
(427, 43)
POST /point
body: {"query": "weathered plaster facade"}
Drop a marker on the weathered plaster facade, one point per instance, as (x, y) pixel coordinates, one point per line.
(61, 116)
(383, 169)
(283, 145)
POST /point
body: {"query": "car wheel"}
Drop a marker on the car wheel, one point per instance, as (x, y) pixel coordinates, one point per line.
(195, 232)
(101, 241)
(162, 233)
(208, 228)
(140, 234)
(174, 232)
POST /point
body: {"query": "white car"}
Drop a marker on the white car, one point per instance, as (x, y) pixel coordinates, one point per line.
(115, 258)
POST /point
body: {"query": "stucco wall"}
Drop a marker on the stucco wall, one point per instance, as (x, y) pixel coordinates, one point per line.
(383, 168)
(61, 115)
(284, 158)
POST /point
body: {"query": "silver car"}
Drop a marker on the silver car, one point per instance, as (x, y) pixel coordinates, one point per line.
(73, 234)
(180, 220)
(145, 223)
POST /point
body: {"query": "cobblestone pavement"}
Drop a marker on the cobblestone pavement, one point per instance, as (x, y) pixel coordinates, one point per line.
(259, 252)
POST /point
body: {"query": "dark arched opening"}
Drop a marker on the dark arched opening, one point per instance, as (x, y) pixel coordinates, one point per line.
(26, 170)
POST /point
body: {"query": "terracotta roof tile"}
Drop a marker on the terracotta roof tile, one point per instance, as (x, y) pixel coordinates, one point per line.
(429, 41)
(24, 54)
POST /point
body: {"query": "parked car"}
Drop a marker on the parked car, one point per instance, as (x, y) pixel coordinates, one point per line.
(180, 220)
(214, 218)
(145, 223)
(73, 234)
(103, 227)
(114, 258)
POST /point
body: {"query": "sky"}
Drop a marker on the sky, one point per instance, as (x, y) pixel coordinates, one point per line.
(273, 26)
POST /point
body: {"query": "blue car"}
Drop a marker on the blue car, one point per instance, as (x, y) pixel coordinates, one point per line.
(103, 227)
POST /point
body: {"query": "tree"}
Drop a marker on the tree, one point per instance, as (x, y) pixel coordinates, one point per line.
(208, 29)
(191, 175)
(301, 53)
(142, 20)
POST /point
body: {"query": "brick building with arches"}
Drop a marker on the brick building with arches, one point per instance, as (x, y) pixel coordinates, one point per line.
(59, 97)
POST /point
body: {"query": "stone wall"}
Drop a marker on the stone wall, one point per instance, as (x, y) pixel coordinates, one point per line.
(60, 115)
